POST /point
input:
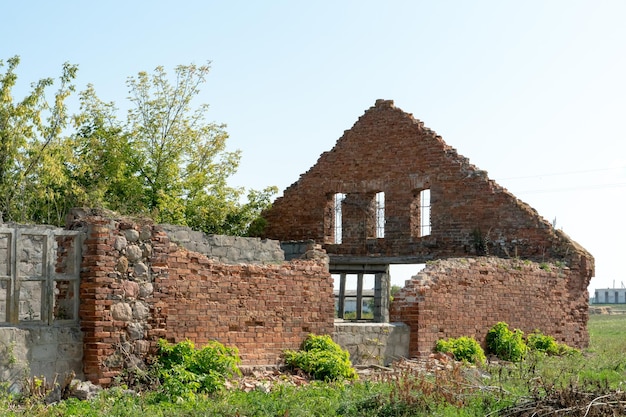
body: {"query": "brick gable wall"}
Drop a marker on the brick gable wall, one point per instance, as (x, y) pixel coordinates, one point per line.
(389, 151)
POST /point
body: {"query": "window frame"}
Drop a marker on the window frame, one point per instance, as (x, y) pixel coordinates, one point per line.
(53, 267)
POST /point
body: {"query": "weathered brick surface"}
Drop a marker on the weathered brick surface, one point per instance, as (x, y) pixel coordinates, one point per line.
(389, 151)
(466, 297)
(137, 286)
(260, 309)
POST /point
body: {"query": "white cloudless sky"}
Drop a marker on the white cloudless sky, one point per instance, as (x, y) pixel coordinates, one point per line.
(533, 92)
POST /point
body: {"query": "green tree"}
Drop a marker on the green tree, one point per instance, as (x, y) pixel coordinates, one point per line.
(165, 160)
(32, 180)
(179, 155)
(102, 166)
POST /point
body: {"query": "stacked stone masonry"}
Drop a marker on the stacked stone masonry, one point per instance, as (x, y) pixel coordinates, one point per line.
(137, 287)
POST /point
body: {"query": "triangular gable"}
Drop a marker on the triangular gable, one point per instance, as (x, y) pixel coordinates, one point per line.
(366, 198)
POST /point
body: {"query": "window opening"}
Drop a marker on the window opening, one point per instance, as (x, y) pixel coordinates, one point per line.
(420, 213)
(424, 213)
(380, 214)
(39, 276)
(354, 296)
(338, 202)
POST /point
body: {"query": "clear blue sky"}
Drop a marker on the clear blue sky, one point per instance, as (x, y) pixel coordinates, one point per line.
(533, 92)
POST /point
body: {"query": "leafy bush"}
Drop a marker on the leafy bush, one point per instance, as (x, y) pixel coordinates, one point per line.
(185, 371)
(506, 344)
(542, 343)
(539, 342)
(321, 358)
(464, 349)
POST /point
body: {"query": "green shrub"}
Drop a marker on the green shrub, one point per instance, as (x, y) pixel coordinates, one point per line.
(464, 349)
(542, 343)
(321, 358)
(506, 344)
(185, 371)
(539, 342)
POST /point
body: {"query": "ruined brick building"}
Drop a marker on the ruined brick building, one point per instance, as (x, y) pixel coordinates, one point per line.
(391, 191)
(96, 297)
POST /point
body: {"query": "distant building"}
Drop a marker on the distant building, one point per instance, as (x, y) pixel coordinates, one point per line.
(610, 296)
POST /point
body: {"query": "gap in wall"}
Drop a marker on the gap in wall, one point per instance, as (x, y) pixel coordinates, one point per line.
(400, 273)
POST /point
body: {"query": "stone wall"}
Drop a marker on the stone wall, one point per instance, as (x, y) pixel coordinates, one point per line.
(226, 249)
(466, 297)
(373, 343)
(137, 286)
(42, 351)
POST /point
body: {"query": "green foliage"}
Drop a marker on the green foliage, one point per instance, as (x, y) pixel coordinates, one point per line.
(464, 348)
(539, 342)
(542, 343)
(506, 344)
(186, 371)
(7, 354)
(512, 346)
(322, 358)
(395, 290)
(102, 167)
(32, 153)
(164, 160)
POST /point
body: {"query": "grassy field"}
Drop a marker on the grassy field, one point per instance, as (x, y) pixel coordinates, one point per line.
(579, 384)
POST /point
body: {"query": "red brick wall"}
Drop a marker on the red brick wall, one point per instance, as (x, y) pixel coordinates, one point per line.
(137, 287)
(389, 151)
(97, 286)
(260, 309)
(466, 297)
